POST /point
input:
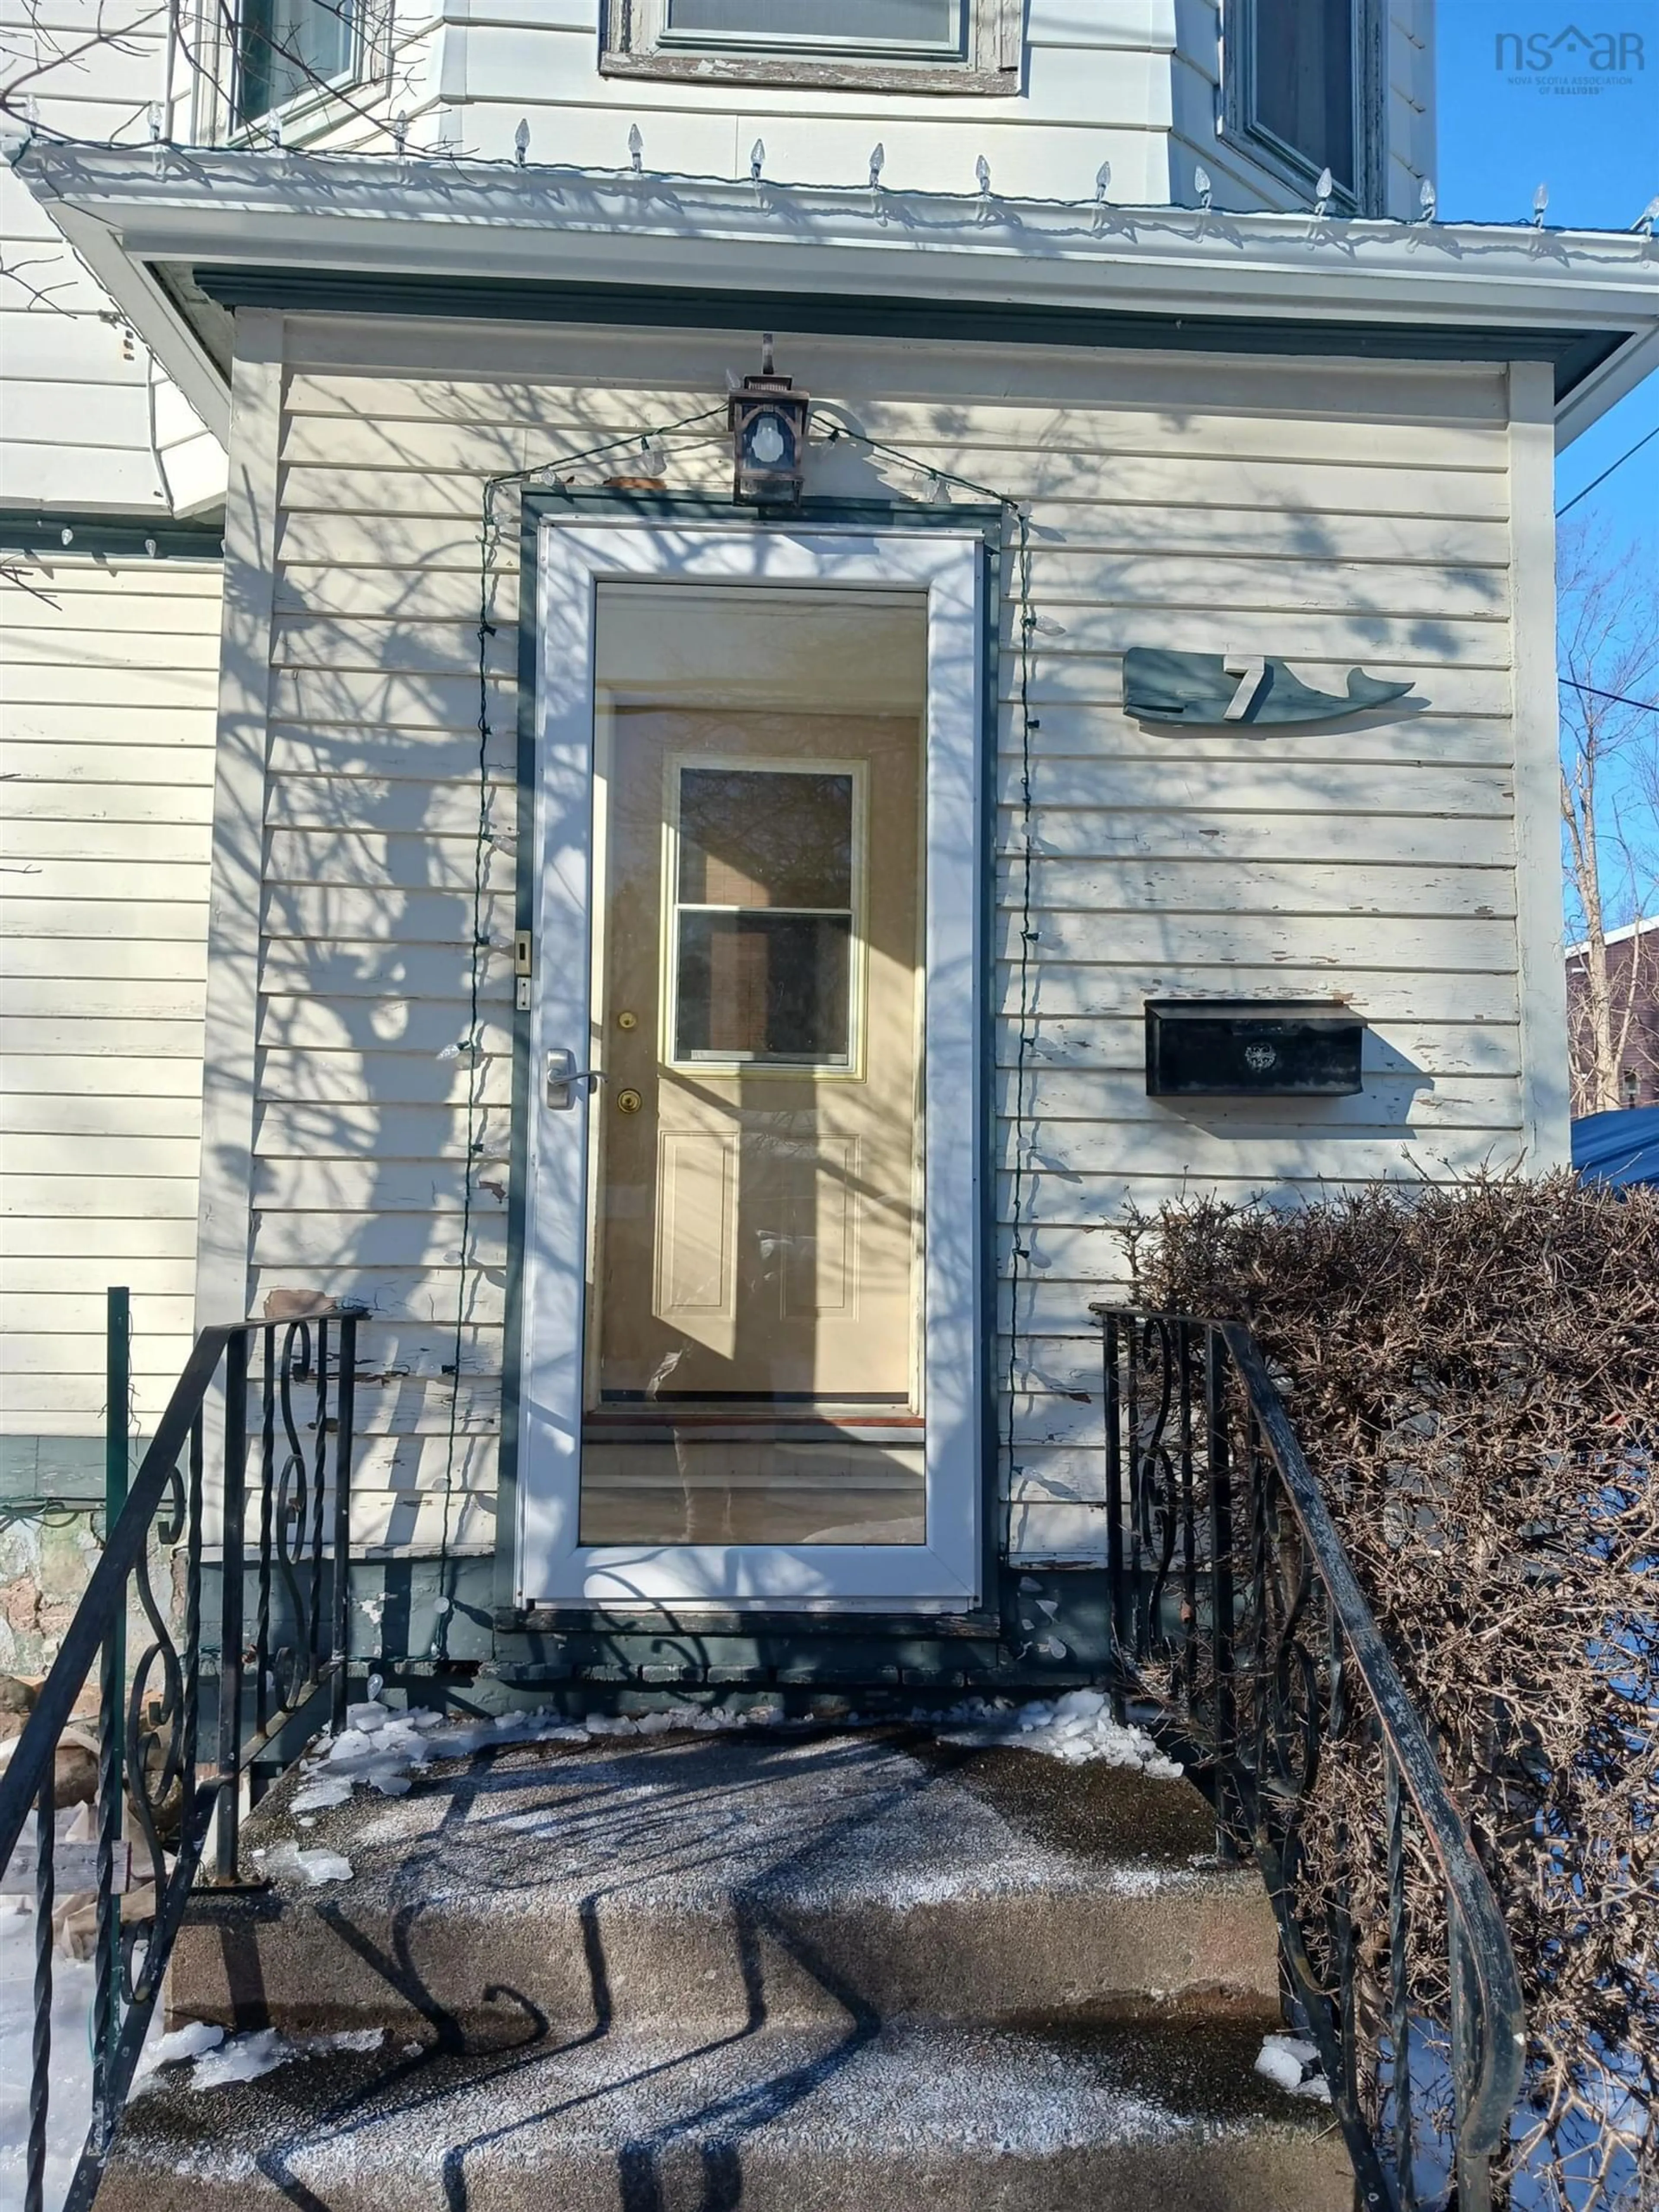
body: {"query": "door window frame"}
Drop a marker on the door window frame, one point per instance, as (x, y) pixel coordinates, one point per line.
(540, 1559)
(758, 1067)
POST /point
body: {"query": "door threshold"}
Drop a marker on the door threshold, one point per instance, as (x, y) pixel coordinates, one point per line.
(650, 1424)
(853, 1617)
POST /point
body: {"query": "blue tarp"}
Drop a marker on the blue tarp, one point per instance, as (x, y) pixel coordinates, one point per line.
(1621, 1147)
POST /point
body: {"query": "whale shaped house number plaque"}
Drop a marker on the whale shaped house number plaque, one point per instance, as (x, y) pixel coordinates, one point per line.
(1230, 689)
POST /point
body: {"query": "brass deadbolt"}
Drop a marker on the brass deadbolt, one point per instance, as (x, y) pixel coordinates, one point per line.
(628, 1101)
(627, 1021)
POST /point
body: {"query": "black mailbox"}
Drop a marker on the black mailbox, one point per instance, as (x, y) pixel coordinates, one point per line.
(1288, 1049)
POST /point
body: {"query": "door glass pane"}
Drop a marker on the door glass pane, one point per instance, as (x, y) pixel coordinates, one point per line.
(753, 1311)
(772, 837)
(764, 918)
(764, 986)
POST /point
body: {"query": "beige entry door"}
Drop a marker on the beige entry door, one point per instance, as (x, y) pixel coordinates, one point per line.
(752, 1349)
(761, 1226)
(755, 1321)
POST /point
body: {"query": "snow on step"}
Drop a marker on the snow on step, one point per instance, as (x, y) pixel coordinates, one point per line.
(796, 1970)
(202, 2057)
(676, 1875)
(379, 1749)
(819, 2120)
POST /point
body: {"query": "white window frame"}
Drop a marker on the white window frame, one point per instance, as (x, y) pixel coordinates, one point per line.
(553, 1567)
(308, 112)
(1240, 127)
(755, 1067)
(985, 58)
(655, 19)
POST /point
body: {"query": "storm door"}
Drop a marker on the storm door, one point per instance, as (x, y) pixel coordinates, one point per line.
(750, 1348)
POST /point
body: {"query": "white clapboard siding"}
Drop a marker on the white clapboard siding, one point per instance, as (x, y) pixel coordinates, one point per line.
(380, 1132)
(120, 438)
(384, 1079)
(420, 379)
(82, 1119)
(35, 1357)
(1137, 82)
(1056, 440)
(1045, 1097)
(402, 1295)
(423, 807)
(1062, 989)
(104, 850)
(1413, 1047)
(320, 1242)
(1296, 478)
(1115, 1044)
(1336, 513)
(390, 1524)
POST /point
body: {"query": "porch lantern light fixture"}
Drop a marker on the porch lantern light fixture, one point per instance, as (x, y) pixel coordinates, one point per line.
(767, 417)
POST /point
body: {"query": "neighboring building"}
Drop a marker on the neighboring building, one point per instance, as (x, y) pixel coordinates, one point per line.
(837, 836)
(1633, 997)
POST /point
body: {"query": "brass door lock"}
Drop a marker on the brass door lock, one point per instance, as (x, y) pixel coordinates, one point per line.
(628, 1101)
(627, 1021)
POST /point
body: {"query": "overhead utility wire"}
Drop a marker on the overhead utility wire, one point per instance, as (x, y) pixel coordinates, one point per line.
(1619, 698)
(1606, 473)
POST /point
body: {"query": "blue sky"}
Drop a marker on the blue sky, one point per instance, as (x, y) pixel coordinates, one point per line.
(1593, 136)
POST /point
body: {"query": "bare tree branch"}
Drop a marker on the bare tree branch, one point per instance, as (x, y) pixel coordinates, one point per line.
(1609, 644)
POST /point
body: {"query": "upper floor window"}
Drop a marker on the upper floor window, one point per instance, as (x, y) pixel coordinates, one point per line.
(1302, 92)
(288, 47)
(1304, 80)
(912, 26)
(928, 45)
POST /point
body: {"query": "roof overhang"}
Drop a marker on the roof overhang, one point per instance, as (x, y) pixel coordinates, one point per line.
(178, 236)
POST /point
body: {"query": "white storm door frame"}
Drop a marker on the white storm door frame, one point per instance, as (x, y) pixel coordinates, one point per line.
(554, 1568)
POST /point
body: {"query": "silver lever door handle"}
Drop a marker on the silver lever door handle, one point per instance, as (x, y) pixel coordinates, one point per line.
(561, 1077)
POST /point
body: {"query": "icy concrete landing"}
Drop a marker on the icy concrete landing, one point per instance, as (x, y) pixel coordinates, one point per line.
(674, 1878)
(771, 1973)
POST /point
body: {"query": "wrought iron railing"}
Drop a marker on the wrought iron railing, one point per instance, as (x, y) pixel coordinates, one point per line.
(1236, 1612)
(183, 1731)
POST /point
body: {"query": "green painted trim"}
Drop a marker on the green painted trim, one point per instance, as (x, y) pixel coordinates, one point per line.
(117, 1383)
(994, 1590)
(1576, 354)
(610, 1662)
(694, 507)
(506, 1463)
(564, 1620)
(99, 537)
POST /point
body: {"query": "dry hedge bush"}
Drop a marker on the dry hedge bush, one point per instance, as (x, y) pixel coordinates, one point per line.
(1473, 1374)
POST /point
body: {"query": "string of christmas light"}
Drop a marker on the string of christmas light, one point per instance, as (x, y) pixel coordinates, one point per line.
(556, 474)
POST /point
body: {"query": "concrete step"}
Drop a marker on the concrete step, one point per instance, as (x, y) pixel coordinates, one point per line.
(851, 2115)
(710, 1880)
